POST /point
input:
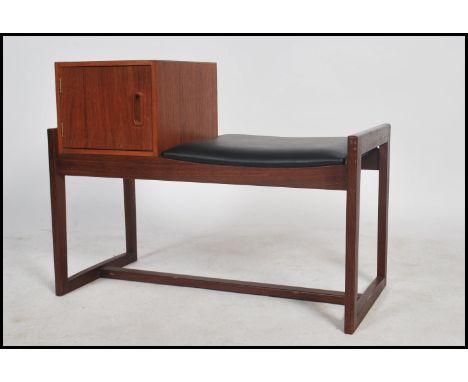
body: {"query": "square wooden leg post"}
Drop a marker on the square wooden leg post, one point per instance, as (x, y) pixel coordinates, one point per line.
(352, 235)
(382, 234)
(59, 220)
(357, 305)
(130, 217)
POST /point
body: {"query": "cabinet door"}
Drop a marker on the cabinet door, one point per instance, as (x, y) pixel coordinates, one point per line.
(107, 108)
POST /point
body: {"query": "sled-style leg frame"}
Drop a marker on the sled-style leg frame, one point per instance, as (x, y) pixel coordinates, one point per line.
(368, 150)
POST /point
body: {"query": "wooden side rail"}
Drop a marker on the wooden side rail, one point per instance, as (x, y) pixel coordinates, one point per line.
(367, 299)
(272, 290)
(371, 138)
(157, 168)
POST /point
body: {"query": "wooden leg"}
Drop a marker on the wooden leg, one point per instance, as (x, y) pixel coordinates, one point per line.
(367, 299)
(59, 220)
(356, 305)
(382, 234)
(130, 217)
(352, 235)
(63, 283)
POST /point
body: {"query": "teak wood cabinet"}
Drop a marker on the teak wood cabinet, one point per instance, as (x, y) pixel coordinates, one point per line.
(134, 107)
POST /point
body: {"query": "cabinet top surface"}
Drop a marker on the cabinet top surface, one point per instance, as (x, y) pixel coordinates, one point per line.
(123, 63)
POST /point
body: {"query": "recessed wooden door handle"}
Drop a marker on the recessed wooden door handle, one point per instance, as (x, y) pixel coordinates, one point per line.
(138, 109)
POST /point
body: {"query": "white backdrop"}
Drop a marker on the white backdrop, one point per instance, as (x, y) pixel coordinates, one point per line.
(290, 86)
(296, 86)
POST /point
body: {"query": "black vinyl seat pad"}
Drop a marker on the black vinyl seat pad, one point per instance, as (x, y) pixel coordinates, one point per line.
(262, 151)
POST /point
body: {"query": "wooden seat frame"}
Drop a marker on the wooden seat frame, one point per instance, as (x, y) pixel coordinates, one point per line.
(368, 150)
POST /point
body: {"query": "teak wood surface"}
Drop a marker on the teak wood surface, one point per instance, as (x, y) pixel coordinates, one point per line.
(134, 108)
(368, 150)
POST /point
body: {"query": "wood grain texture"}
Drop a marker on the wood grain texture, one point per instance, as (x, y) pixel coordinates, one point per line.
(127, 153)
(72, 125)
(382, 220)
(325, 177)
(373, 137)
(186, 103)
(375, 142)
(130, 216)
(119, 62)
(92, 273)
(59, 215)
(134, 108)
(110, 106)
(352, 234)
(272, 290)
(98, 107)
(367, 299)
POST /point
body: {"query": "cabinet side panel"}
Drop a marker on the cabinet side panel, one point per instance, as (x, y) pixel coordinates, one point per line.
(186, 103)
(199, 101)
(168, 105)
